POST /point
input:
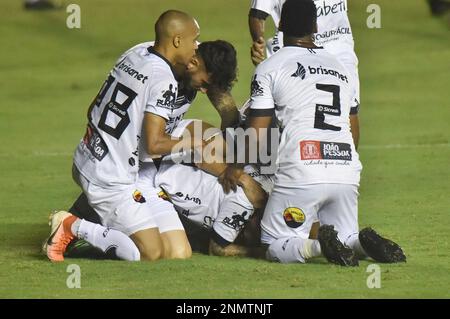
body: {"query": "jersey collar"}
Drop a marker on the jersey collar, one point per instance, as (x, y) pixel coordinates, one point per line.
(151, 50)
(298, 46)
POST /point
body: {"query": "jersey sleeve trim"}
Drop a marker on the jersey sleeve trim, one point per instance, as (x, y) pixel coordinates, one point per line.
(299, 46)
(354, 110)
(151, 50)
(258, 14)
(219, 240)
(164, 116)
(261, 112)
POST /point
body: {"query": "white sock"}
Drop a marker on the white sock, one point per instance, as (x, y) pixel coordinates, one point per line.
(352, 241)
(75, 226)
(107, 238)
(310, 249)
(293, 250)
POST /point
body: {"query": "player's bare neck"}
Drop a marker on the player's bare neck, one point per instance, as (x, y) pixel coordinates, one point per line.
(304, 42)
(165, 52)
(180, 70)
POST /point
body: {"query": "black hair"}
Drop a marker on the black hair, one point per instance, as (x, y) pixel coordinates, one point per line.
(298, 18)
(220, 61)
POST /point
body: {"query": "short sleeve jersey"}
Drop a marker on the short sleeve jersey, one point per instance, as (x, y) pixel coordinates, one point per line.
(141, 81)
(310, 94)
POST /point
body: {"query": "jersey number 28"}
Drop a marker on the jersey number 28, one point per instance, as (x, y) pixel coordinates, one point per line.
(119, 109)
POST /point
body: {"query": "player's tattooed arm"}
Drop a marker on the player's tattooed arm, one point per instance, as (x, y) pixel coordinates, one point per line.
(225, 105)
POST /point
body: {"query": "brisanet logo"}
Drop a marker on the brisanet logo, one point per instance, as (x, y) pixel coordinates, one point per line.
(324, 71)
(301, 72)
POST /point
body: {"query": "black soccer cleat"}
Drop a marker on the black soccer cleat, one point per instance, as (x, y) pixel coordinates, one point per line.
(380, 249)
(332, 248)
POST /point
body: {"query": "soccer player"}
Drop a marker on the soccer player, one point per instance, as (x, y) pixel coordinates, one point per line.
(309, 92)
(134, 102)
(334, 34)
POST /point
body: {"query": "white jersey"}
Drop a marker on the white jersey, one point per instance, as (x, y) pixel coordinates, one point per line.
(203, 201)
(141, 81)
(334, 31)
(309, 90)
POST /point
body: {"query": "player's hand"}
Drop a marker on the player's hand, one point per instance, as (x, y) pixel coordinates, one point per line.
(229, 179)
(257, 51)
(253, 190)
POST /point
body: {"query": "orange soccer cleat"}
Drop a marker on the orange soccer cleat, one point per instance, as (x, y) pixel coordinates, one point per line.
(60, 237)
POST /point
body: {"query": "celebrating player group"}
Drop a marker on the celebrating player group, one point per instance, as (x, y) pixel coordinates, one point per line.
(155, 185)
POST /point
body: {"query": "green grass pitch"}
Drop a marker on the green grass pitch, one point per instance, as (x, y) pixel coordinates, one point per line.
(49, 75)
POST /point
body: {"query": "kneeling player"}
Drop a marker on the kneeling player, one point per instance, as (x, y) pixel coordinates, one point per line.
(309, 93)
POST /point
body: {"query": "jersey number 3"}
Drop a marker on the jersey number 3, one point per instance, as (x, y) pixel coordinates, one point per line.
(119, 109)
(322, 109)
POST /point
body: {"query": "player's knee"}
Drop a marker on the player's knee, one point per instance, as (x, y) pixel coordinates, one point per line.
(149, 244)
(152, 254)
(180, 252)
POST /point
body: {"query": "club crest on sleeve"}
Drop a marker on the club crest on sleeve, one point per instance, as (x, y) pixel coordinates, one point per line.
(237, 221)
(168, 97)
